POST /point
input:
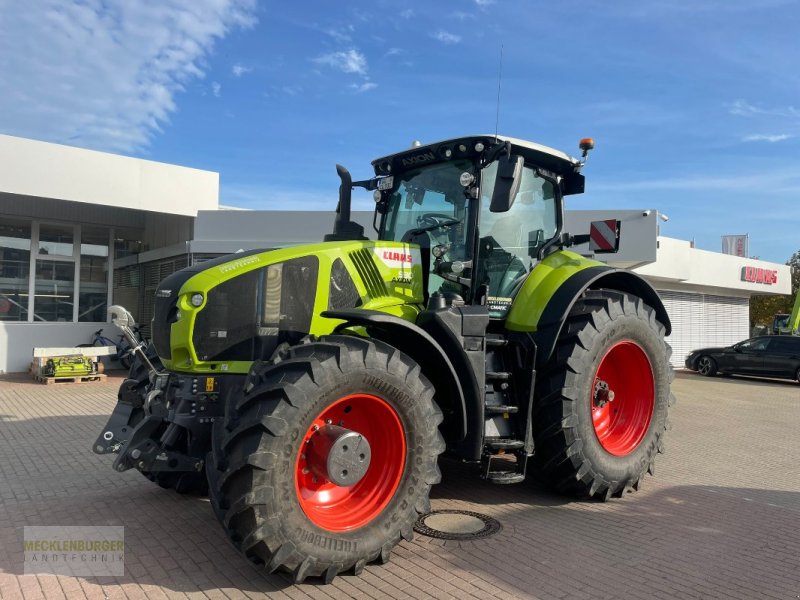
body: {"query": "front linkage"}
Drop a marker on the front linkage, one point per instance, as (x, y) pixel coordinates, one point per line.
(162, 421)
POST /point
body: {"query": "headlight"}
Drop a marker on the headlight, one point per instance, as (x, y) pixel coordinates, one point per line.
(196, 299)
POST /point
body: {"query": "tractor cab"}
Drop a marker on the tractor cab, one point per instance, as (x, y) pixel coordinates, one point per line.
(482, 209)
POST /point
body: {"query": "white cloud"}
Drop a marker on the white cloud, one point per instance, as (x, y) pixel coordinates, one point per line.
(484, 3)
(216, 89)
(394, 51)
(364, 87)
(446, 37)
(407, 13)
(105, 73)
(350, 61)
(743, 108)
(239, 70)
(763, 137)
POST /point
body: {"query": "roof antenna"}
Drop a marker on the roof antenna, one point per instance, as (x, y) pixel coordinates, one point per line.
(499, 79)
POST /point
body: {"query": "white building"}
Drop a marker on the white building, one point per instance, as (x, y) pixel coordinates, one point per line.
(68, 219)
(80, 230)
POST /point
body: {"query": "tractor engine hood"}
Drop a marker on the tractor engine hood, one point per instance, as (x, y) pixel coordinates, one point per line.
(223, 314)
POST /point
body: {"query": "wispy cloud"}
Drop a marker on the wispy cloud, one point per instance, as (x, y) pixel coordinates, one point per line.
(216, 89)
(364, 87)
(484, 3)
(239, 70)
(446, 37)
(407, 13)
(394, 51)
(349, 61)
(117, 96)
(764, 137)
(743, 108)
(463, 16)
(341, 34)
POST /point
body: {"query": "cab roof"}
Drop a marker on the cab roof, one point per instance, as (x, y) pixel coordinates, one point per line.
(549, 158)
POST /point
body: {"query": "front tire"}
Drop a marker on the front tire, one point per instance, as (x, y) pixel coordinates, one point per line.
(706, 366)
(266, 482)
(602, 401)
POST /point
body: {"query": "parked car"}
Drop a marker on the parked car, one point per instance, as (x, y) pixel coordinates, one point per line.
(766, 356)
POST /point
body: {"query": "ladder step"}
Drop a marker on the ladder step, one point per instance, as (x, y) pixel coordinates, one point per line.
(496, 341)
(498, 376)
(503, 444)
(499, 410)
(505, 477)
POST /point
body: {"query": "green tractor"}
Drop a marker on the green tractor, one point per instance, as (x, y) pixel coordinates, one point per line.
(311, 390)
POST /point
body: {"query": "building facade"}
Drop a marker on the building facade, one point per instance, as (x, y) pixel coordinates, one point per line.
(69, 220)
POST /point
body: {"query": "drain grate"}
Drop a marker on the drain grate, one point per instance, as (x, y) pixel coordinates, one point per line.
(457, 525)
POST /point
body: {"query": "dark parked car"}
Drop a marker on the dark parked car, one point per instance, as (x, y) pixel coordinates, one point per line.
(766, 356)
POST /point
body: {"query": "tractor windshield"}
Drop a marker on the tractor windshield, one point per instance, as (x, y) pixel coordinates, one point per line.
(427, 206)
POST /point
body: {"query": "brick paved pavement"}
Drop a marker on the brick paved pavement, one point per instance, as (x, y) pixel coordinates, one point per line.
(720, 520)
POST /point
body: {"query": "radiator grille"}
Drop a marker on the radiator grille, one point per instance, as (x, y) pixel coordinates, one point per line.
(365, 265)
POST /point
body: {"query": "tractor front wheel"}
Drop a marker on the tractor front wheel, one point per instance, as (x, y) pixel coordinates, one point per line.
(328, 458)
(602, 401)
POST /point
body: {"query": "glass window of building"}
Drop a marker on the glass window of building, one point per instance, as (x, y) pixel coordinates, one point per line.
(55, 290)
(15, 256)
(93, 285)
(56, 240)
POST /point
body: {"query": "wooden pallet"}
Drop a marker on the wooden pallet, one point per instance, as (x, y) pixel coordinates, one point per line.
(75, 379)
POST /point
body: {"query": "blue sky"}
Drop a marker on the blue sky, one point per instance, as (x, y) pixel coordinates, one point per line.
(693, 104)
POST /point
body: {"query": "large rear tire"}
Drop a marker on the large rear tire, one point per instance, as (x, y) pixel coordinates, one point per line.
(602, 401)
(267, 485)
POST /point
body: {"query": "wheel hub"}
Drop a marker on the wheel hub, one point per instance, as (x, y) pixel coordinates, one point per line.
(602, 394)
(338, 455)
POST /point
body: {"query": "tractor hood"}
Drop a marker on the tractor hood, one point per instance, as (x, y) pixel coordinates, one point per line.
(223, 314)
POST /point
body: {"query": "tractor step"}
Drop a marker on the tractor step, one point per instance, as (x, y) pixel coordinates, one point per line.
(500, 409)
(498, 376)
(503, 444)
(505, 477)
(490, 341)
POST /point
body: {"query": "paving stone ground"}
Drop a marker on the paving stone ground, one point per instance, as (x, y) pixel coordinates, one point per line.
(721, 519)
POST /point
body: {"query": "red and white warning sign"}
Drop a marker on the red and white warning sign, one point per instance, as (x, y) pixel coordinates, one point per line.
(604, 236)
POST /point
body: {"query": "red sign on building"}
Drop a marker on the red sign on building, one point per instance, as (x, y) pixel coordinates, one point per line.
(759, 275)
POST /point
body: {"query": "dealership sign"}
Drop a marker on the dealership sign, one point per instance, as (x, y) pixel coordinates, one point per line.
(759, 275)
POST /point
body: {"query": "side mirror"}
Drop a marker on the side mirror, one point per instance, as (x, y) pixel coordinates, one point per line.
(506, 183)
(736, 348)
(120, 316)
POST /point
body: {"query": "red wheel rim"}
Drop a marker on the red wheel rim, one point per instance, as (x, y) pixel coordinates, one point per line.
(339, 508)
(622, 422)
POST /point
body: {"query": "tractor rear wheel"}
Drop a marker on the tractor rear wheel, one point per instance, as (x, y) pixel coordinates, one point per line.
(602, 401)
(327, 460)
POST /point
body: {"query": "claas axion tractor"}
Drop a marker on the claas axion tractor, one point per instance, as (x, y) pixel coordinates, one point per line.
(311, 390)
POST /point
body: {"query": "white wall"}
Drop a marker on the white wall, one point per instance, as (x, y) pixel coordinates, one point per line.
(703, 270)
(33, 168)
(17, 340)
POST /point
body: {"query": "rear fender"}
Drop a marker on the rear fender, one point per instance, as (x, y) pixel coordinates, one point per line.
(425, 350)
(542, 309)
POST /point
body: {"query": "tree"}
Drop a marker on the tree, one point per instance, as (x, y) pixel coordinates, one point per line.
(764, 308)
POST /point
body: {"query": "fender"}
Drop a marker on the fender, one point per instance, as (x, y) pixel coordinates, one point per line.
(545, 322)
(419, 345)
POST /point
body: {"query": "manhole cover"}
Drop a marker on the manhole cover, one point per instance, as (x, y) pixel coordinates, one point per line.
(456, 525)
